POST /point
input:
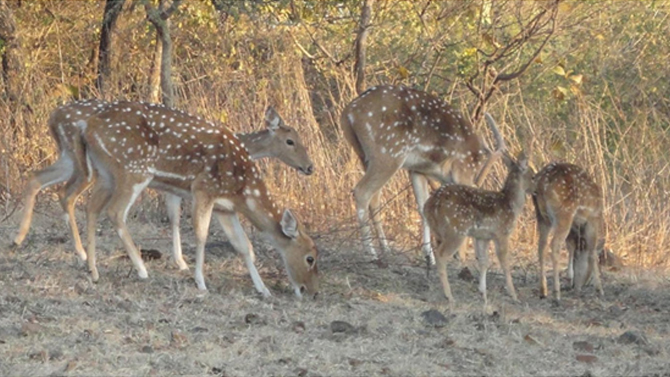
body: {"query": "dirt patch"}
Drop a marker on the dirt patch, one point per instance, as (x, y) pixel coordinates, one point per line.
(385, 319)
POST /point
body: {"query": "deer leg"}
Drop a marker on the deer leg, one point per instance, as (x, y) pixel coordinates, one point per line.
(238, 238)
(59, 172)
(81, 179)
(173, 205)
(122, 199)
(99, 198)
(375, 214)
(572, 243)
(591, 238)
(543, 230)
(420, 186)
(202, 214)
(482, 254)
(445, 250)
(561, 231)
(502, 250)
(374, 179)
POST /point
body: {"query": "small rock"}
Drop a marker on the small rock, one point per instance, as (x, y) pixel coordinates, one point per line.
(301, 372)
(147, 349)
(466, 275)
(583, 346)
(530, 340)
(630, 337)
(42, 356)
(588, 359)
(285, 360)
(298, 327)
(434, 318)
(253, 319)
(70, 366)
(342, 327)
(30, 328)
(355, 362)
(587, 373)
(178, 339)
(80, 288)
(55, 354)
(150, 254)
(445, 343)
(651, 351)
(218, 371)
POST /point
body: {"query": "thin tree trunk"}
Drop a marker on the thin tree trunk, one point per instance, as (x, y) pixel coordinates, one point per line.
(360, 45)
(11, 61)
(160, 19)
(111, 14)
(155, 72)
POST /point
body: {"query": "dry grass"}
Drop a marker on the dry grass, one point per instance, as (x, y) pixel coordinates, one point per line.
(254, 67)
(54, 321)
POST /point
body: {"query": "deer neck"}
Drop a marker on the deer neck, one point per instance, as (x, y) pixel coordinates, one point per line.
(513, 193)
(257, 143)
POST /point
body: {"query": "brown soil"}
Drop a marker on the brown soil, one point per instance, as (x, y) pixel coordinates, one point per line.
(55, 321)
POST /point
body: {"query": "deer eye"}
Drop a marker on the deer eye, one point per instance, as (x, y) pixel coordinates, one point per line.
(290, 142)
(310, 260)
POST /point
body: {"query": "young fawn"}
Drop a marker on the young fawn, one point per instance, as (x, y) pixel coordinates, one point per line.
(132, 146)
(455, 212)
(277, 140)
(568, 202)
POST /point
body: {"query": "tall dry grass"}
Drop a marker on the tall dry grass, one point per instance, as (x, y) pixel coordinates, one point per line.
(231, 75)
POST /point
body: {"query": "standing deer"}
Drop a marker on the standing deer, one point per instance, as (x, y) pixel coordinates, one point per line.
(395, 127)
(133, 146)
(277, 140)
(568, 202)
(455, 212)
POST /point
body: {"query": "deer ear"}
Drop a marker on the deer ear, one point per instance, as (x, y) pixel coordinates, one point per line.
(289, 225)
(522, 160)
(507, 159)
(272, 119)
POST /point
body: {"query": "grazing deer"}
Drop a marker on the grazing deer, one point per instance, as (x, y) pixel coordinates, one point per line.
(277, 140)
(395, 127)
(133, 146)
(568, 202)
(455, 212)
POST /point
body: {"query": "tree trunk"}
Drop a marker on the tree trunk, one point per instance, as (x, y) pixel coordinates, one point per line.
(360, 45)
(155, 72)
(112, 10)
(11, 62)
(160, 19)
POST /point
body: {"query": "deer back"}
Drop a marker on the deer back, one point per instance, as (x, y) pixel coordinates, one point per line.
(563, 187)
(396, 122)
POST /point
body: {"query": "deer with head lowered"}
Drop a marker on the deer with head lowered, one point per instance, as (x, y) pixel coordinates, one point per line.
(132, 146)
(277, 140)
(568, 202)
(393, 128)
(455, 212)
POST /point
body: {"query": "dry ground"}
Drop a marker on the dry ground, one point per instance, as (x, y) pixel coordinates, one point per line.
(54, 321)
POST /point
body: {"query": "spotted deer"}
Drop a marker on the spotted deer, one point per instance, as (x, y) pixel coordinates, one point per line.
(455, 212)
(132, 146)
(277, 140)
(570, 204)
(395, 127)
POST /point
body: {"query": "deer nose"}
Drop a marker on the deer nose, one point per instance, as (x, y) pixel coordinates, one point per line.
(308, 170)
